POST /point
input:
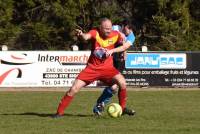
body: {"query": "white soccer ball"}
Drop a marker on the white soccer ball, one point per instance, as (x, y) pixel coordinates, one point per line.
(114, 110)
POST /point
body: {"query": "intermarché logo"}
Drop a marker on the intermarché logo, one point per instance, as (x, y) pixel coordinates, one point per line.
(64, 60)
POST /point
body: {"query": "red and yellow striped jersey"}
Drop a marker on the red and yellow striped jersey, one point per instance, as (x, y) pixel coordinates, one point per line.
(98, 41)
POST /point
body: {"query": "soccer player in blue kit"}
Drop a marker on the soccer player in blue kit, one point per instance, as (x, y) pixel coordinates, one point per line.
(108, 92)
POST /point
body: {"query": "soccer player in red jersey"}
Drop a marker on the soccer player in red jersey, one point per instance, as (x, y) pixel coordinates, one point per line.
(119, 63)
(100, 64)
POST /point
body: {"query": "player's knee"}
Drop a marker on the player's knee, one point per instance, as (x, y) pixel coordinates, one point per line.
(73, 90)
(122, 84)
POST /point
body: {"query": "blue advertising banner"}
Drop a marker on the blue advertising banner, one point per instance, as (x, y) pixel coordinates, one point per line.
(163, 69)
(156, 60)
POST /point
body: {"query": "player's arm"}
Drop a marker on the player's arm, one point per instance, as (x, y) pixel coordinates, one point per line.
(129, 42)
(84, 36)
(122, 48)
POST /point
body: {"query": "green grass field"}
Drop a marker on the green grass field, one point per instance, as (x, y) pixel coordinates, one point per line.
(158, 112)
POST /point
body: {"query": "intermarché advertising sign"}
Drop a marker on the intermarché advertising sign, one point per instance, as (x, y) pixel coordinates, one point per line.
(170, 69)
(41, 68)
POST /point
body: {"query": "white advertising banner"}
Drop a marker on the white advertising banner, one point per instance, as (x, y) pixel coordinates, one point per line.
(41, 68)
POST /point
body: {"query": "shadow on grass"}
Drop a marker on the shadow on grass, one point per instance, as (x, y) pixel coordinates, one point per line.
(46, 114)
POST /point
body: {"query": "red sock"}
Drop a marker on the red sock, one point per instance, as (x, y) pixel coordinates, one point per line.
(122, 98)
(65, 101)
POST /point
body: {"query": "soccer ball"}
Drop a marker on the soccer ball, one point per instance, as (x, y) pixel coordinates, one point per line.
(114, 110)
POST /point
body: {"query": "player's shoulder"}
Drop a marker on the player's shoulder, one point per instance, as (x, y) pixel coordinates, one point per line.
(130, 38)
(131, 35)
(116, 27)
(114, 33)
(93, 31)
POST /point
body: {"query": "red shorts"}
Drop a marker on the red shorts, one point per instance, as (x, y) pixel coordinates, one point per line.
(92, 73)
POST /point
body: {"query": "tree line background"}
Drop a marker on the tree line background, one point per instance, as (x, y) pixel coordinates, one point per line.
(163, 25)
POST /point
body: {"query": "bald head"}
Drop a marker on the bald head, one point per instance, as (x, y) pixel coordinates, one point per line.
(105, 27)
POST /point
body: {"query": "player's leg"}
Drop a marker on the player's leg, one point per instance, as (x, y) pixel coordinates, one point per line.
(122, 94)
(86, 76)
(120, 80)
(66, 100)
(104, 99)
(107, 93)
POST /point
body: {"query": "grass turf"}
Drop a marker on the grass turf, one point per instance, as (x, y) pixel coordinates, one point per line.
(158, 112)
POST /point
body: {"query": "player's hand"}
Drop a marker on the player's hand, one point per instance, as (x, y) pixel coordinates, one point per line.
(109, 52)
(78, 32)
